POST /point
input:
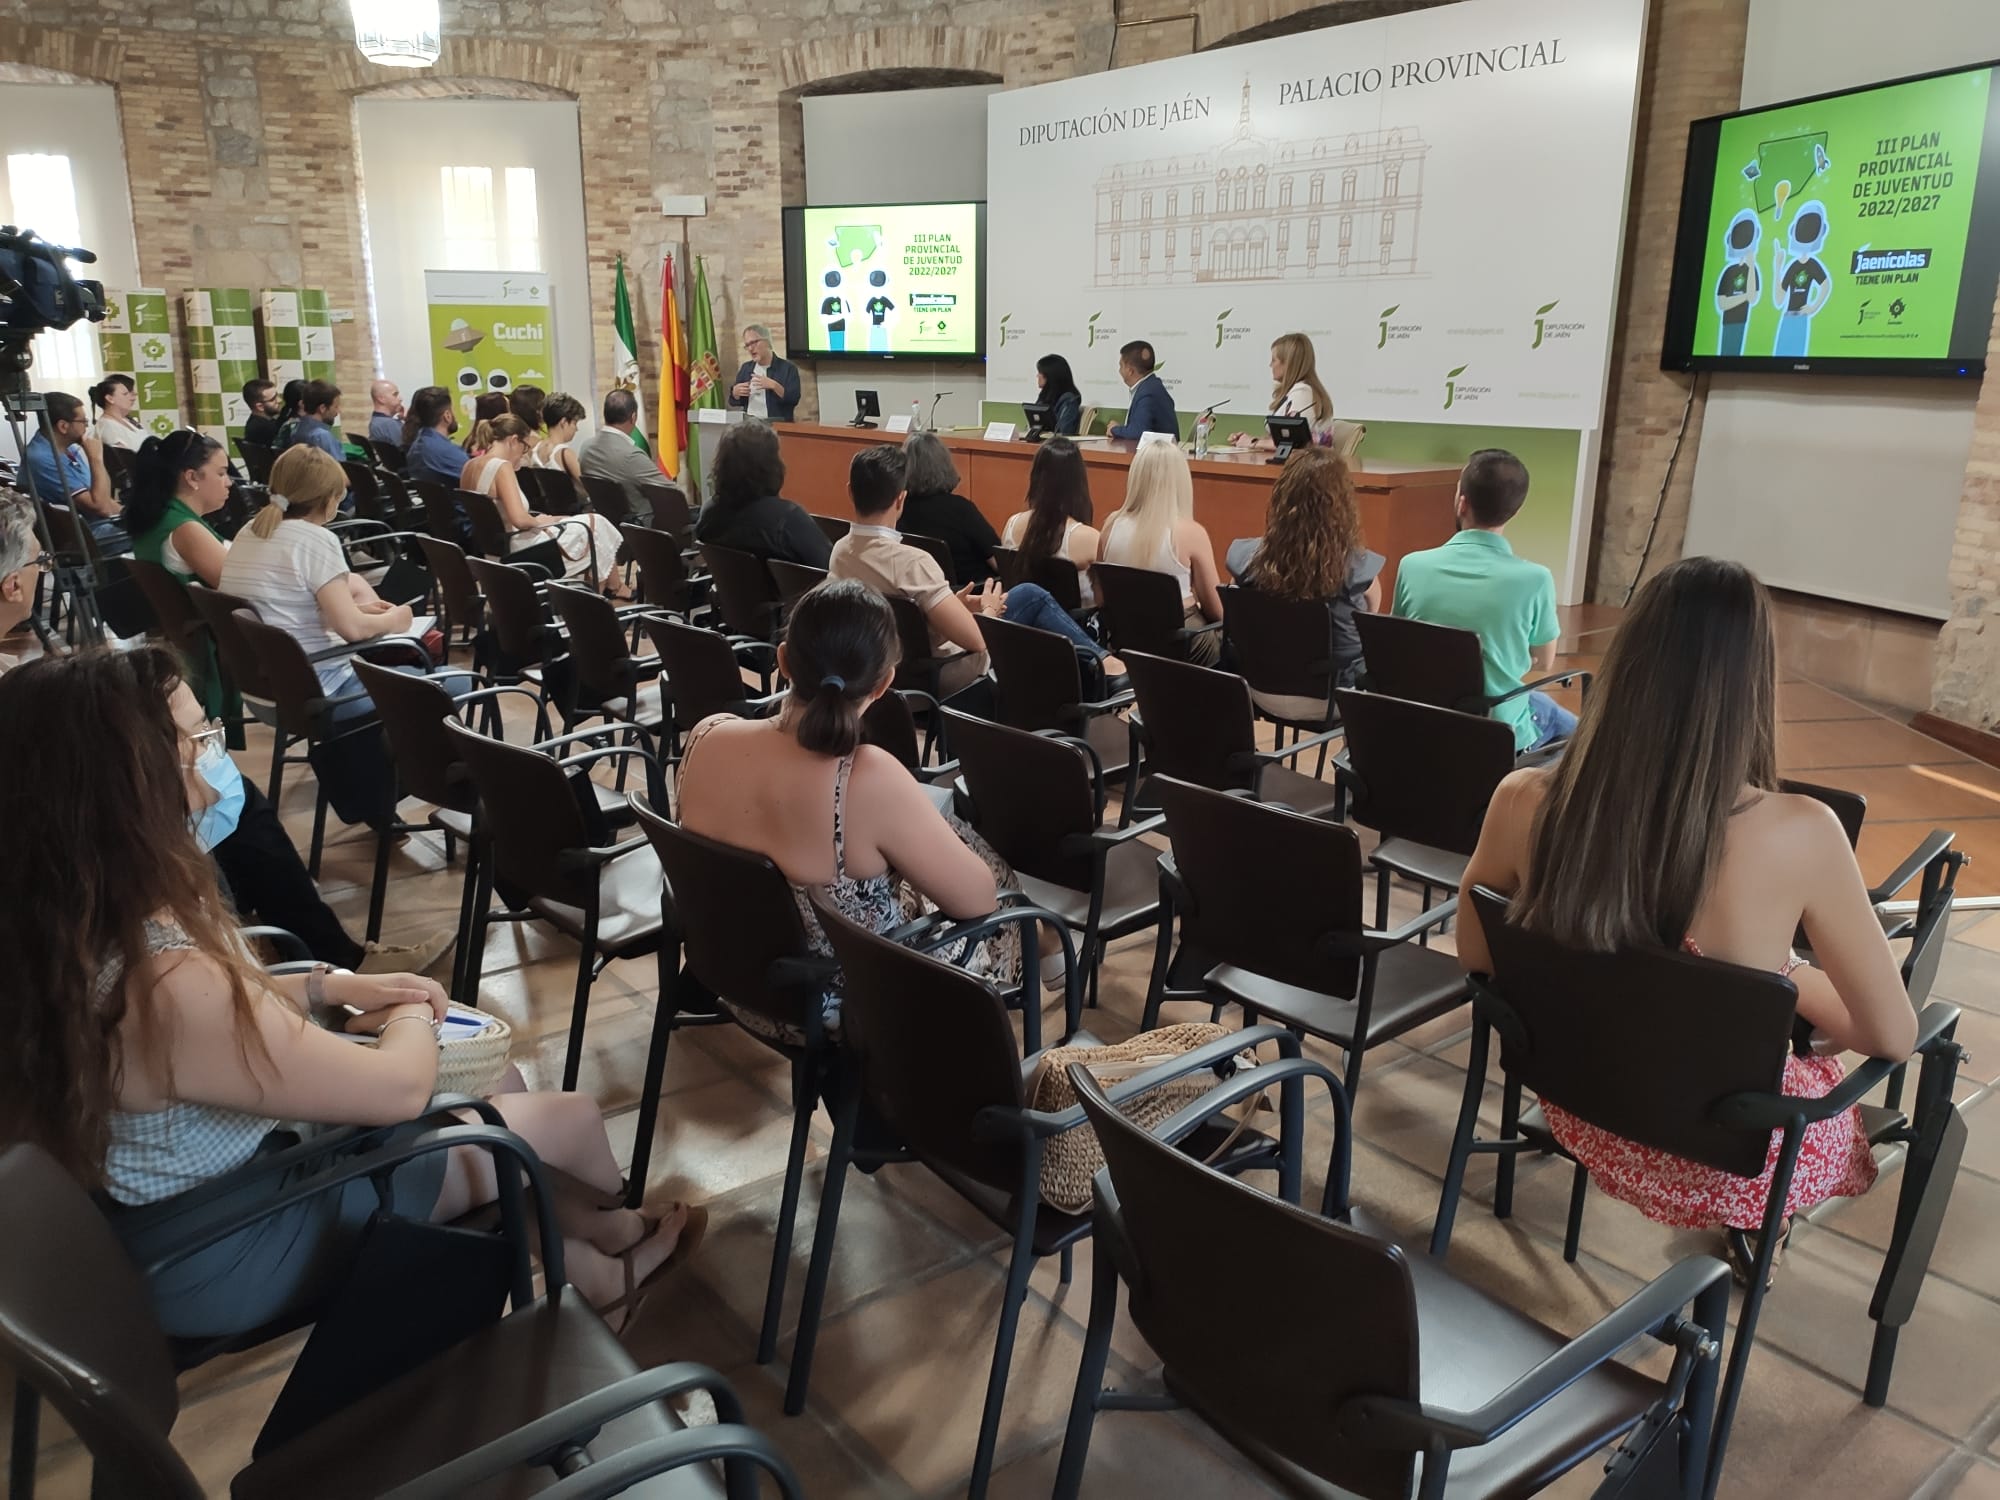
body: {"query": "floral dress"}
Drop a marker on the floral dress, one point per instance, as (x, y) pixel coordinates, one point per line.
(1834, 1159)
(879, 903)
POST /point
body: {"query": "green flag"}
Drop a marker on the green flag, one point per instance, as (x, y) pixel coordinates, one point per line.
(625, 358)
(704, 367)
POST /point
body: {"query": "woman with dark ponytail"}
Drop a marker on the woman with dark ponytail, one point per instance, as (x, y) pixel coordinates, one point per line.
(837, 815)
(113, 398)
(178, 482)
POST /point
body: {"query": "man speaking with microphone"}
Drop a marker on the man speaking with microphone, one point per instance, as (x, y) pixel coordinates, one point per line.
(766, 386)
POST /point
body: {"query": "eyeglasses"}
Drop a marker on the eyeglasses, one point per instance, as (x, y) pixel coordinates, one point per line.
(210, 734)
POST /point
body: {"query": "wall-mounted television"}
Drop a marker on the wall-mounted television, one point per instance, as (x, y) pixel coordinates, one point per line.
(886, 281)
(1850, 233)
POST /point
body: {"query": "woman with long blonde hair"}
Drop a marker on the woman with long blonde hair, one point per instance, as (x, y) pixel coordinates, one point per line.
(588, 543)
(1663, 827)
(1156, 529)
(1313, 550)
(1296, 390)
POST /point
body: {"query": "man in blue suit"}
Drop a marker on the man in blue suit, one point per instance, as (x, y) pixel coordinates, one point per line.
(766, 386)
(1151, 409)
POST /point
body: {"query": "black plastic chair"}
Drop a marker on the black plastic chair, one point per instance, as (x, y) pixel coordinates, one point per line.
(794, 580)
(257, 459)
(1421, 777)
(670, 511)
(219, 613)
(1284, 649)
(1438, 665)
(1039, 683)
(1058, 575)
(367, 493)
(1197, 724)
(937, 550)
(743, 594)
(971, 1124)
(610, 679)
(1142, 611)
(77, 1327)
(1038, 799)
(1354, 1363)
(463, 607)
(1270, 901)
(1687, 1061)
(526, 646)
(391, 456)
(704, 675)
(833, 528)
(444, 517)
(665, 581)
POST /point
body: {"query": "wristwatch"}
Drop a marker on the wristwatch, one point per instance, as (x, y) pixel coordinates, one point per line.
(316, 984)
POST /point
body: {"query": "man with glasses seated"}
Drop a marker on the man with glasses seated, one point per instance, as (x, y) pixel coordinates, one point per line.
(766, 386)
(71, 472)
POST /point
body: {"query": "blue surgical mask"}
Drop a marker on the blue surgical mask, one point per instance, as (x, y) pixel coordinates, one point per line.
(218, 820)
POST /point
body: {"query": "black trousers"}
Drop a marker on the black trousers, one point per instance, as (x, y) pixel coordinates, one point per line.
(268, 882)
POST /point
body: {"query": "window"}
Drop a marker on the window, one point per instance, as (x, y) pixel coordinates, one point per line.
(1172, 235)
(1347, 185)
(43, 197)
(1391, 176)
(1285, 191)
(1388, 229)
(1318, 194)
(482, 234)
(1199, 198)
(1145, 244)
(1173, 205)
(1146, 206)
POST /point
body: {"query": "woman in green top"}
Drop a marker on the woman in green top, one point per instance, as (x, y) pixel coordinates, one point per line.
(178, 481)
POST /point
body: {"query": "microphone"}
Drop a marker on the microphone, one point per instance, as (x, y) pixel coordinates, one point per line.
(1215, 406)
(935, 398)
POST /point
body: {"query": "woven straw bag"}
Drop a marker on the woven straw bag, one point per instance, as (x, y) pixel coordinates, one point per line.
(473, 1064)
(1071, 1159)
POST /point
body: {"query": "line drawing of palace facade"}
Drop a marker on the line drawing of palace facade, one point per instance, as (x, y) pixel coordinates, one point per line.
(1255, 209)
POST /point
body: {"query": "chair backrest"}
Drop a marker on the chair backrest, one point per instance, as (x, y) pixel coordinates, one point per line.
(77, 1325)
(1348, 438)
(534, 487)
(663, 572)
(1420, 772)
(489, 531)
(743, 592)
(167, 597)
(218, 612)
(1268, 889)
(1142, 609)
(397, 499)
(939, 552)
(1642, 1043)
(597, 641)
(1032, 795)
(1424, 663)
(670, 510)
(890, 725)
(391, 455)
(737, 921)
(531, 817)
(1850, 807)
(1037, 682)
(902, 1012)
(1349, 1326)
(794, 580)
(1281, 646)
(441, 508)
(608, 498)
(286, 670)
(520, 626)
(366, 492)
(703, 676)
(1196, 723)
(118, 467)
(257, 459)
(833, 528)
(913, 643)
(459, 589)
(414, 711)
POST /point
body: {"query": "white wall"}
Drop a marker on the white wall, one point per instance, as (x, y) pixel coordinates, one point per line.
(403, 144)
(907, 146)
(1846, 487)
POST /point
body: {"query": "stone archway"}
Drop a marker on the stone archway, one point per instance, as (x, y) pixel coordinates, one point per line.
(1225, 23)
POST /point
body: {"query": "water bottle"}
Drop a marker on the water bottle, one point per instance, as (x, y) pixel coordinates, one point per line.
(1201, 425)
(916, 416)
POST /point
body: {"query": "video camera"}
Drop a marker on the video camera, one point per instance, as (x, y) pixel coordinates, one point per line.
(37, 290)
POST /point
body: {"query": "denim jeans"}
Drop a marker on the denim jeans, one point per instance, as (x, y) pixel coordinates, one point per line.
(1031, 604)
(1551, 720)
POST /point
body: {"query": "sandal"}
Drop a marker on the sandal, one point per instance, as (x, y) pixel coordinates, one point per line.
(637, 1290)
(1740, 1247)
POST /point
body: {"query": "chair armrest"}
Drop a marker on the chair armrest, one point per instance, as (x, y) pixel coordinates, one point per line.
(577, 1421)
(723, 1443)
(1031, 1010)
(1108, 838)
(284, 939)
(993, 1122)
(1368, 940)
(1562, 679)
(1109, 705)
(1756, 1110)
(1188, 633)
(1292, 752)
(1935, 843)
(1387, 1422)
(571, 860)
(599, 732)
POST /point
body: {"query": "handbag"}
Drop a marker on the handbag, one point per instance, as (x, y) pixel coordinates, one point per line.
(1071, 1160)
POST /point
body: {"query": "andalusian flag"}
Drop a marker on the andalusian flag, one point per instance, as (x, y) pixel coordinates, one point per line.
(625, 371)
(673, 374)
(705, 368)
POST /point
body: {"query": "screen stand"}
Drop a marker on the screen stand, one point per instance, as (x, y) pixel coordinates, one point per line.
(1283, 452)
(861, 422)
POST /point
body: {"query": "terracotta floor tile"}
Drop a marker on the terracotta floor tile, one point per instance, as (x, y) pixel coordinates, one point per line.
(1143, 1453)
(1969, 975)
(1980, 1481)
(1804, 746)
(1965, 1247)
(711, 1141)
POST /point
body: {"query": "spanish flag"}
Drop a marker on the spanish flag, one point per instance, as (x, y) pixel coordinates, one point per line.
(673, 375)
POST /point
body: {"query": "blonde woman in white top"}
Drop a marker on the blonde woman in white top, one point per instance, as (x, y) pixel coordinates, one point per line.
(588, 543)
(1156, 529)
(1296, 390)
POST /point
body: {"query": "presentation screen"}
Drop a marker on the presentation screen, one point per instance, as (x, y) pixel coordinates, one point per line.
(1856, 232)
(886, 281)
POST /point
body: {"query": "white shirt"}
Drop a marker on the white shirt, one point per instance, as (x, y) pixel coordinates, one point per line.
(281, 575)
(1299, 402)
(758, 403)
(121, 434)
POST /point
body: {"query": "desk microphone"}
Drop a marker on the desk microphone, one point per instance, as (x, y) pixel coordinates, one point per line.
(935, 398)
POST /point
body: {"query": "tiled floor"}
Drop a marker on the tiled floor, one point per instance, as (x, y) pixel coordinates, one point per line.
(917, 1276)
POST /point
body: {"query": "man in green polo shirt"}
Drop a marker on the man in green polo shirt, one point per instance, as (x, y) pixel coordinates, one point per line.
(1475, 582)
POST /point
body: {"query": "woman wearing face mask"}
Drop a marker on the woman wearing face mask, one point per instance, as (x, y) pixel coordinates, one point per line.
(239, 830)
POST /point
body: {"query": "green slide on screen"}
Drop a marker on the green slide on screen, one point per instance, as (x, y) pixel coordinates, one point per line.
(893, 279)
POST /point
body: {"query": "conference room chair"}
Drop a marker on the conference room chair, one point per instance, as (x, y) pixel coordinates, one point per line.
(542, 1394)
(611, 679)
(1931, 858)
(243, 667)
(491, 539)
(404, 511)
(257, 459)
(392, 456)
(1197, 724)
(527, 647)
(1348, 438)
(794, 580)
(443, 517)
(1343, 1364)
(1039, 683)
(938, 551)
(550, 491)
(703, 670)
(1439, 665)
(1271, 901)
(352, 772)
(98, 589)
(554, 856)
(461, 608)
(971, 1123)
(743, 594)
(180, 624)
(1421, 777)
(833, 528)
(1284, 648)
(1141, 611)
(1038, 799)
(1686, 1062)
(1055, 574)
(365, 491)
(665, 581)
(670, 511)
(118, 469)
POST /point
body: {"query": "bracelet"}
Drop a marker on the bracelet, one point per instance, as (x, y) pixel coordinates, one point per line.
(394, 1019)
(316, 984)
